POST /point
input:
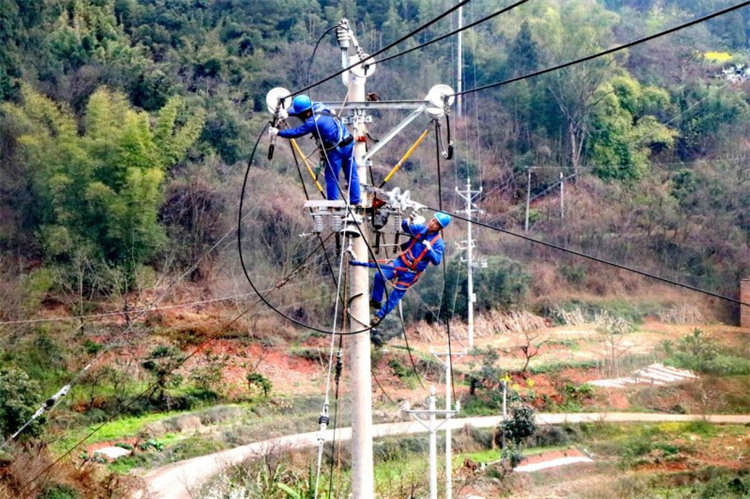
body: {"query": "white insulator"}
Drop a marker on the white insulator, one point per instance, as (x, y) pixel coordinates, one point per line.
(337, 223)
(317, 223)
(397, 219)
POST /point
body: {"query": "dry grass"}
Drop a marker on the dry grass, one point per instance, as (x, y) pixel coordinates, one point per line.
(682, 314)
(28, 475)
(487, 324)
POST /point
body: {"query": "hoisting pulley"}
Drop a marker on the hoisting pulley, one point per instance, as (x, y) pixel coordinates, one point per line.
(275, 101)
(439, 99)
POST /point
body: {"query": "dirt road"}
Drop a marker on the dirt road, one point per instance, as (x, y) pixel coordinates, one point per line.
(175, 480)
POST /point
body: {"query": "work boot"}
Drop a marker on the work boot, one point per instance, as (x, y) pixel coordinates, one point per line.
(375, 321)
(375, 305)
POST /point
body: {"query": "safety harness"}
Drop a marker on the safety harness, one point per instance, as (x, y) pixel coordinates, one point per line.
(407, 256)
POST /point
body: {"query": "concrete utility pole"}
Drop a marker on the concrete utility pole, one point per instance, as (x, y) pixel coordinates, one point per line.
(562, 196)
(468, 245)
(460, 64)
(528, 202)
(432, 428)
(448, 362)
(363, 483)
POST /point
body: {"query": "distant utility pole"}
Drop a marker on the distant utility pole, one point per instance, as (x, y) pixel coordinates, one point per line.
(468, 246)
(432, 426)
(448, 363)
(562, 196)
(460, 64)
(528, 201)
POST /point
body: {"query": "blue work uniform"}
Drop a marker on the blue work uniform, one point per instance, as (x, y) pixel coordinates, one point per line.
(339, 150)
(408, 266)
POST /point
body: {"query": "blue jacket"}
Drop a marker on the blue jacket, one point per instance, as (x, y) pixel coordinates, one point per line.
(322, 125)
(419, 232)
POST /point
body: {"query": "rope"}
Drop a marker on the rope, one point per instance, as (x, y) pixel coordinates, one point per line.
(445, 272)
(324, 420)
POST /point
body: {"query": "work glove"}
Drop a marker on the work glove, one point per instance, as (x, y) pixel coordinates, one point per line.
(273, 131)
(428, 244)
(282, 114)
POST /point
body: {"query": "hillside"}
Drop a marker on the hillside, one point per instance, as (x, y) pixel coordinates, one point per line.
(614, 234)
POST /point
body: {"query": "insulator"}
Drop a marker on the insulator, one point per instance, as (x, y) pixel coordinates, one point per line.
(337, 224)
(323, 419)
(317, 223)
(397, 219)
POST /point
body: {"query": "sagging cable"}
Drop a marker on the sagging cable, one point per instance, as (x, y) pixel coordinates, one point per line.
(405, 157)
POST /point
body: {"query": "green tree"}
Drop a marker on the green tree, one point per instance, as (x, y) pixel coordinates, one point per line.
(102, 189)
(18, 397)
(501, 285)
(622, 137)
(520, 425)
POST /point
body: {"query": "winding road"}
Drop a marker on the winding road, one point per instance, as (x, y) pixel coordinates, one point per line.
(175, 480)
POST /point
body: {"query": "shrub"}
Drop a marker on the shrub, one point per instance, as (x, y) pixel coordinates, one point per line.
(19, 397)
(257, 380)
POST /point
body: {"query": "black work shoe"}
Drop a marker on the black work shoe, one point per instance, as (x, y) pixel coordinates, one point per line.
(376, 338)
(375, 305)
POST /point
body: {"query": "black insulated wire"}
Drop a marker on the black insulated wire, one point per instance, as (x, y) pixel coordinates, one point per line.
(606, 52)
(599, 260)
(388, 47)
(454, 32)
(249, 279)
(445, 271)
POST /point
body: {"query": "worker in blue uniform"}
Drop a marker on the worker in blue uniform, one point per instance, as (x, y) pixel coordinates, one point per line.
(336, 142)
(425, 246)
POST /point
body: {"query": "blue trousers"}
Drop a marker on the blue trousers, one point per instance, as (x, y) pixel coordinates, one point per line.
(398, 291)
(338, 158)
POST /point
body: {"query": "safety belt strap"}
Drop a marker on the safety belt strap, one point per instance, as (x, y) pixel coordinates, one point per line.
(408, 257)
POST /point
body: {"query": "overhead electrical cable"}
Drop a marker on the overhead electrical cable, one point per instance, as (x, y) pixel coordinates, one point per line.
(438, 153)
(454, 32)
(608, 51)
(601, 260)
(387, 47)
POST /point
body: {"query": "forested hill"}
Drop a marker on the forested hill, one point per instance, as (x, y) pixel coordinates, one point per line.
(125, 124)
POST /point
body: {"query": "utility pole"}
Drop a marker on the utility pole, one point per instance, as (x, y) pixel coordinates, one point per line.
(448, 363)
(468, 245)
(528, 201)
(432, 427)
(460, 64)
(562, 196)
(343, 217)
(363, 483)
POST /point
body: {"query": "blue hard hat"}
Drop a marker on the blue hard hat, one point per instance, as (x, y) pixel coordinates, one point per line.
(443, 219)
(300, 104)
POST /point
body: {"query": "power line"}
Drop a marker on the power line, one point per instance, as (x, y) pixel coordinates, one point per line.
(600, 260)
(386, 48)
(608, 51)
(454, 32)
